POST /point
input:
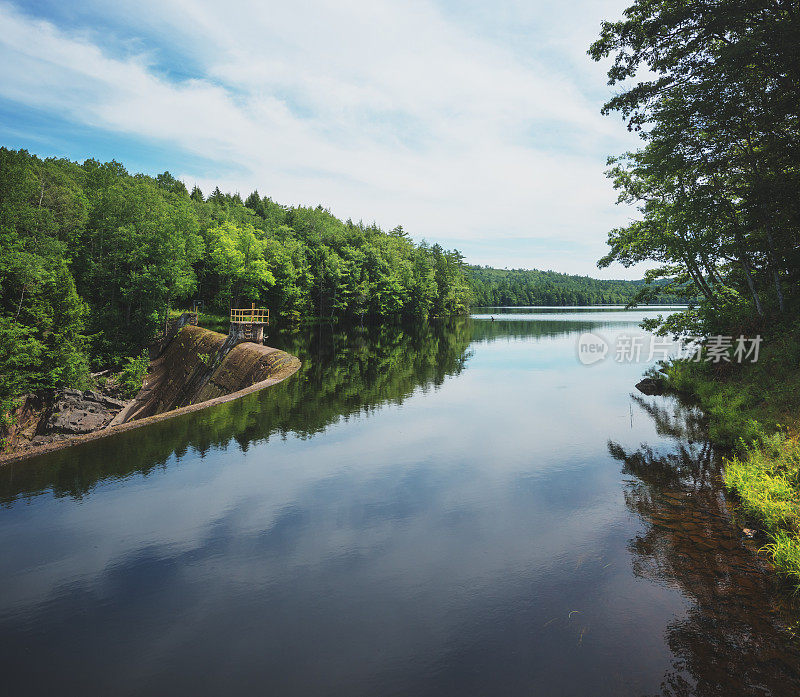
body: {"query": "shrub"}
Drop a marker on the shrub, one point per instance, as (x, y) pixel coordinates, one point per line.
(133, 373)
(785, 551)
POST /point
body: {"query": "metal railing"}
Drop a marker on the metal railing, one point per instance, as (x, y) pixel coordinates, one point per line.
(250, 315)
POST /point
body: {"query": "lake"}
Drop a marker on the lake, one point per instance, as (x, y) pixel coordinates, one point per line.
(464, 508)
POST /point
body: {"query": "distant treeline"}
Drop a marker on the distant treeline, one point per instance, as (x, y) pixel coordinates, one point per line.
(92, 258)
(531, 287)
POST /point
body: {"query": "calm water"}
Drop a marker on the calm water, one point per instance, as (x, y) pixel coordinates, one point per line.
(458, 510)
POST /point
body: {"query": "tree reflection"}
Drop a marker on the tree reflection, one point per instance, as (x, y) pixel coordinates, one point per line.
(736, 638)
(345, 371)
(487, 331)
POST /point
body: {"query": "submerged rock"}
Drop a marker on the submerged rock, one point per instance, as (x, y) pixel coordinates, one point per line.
(650, 386)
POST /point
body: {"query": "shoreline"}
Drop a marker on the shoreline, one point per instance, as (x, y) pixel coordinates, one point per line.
(753, 417)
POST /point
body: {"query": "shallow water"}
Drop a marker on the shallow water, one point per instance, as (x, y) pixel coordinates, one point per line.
(462, 509)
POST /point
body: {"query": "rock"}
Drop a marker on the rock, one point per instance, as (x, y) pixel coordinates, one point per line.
(112, 402)
(749, 533)
(51, 416)
(76, 412)
(26, 417)
(650, 386)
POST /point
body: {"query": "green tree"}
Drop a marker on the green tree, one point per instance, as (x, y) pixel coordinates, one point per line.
(142, 246)
(237, 255)
(717, 178)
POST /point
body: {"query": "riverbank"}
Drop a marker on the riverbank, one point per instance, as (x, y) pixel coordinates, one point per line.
(753, 412)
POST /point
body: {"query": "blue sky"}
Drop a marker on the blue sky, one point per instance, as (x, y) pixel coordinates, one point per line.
(473, 124)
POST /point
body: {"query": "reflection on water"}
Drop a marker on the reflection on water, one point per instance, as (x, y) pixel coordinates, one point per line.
(735, 638)
(454, 509)
(343, 372)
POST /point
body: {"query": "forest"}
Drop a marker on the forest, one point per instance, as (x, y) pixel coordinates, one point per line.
(533, 287)
(93, 258)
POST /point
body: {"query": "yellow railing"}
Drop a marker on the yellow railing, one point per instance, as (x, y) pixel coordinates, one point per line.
(250, 315)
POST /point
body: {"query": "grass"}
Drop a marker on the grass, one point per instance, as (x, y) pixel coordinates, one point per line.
(785, 551)
(732, 407)
(753, 410)
(216, 321)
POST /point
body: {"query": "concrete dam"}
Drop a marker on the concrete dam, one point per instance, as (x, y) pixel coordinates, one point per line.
(199, 366)
(191, 368)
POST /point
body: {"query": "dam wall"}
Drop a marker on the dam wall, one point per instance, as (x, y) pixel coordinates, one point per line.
(199, 365)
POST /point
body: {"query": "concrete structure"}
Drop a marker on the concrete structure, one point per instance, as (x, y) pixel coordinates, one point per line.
(199, 365)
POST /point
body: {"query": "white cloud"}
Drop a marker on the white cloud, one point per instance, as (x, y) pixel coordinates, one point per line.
(398, 112)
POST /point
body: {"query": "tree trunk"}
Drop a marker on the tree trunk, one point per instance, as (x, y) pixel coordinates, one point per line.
(774, 264)
(740, 248)
(697, 277)
(751, 285)
(21, 297)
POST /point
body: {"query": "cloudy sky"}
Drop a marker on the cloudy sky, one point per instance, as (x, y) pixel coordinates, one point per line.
(475, 124)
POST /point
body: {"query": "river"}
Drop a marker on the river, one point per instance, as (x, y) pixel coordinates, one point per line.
(460, 509)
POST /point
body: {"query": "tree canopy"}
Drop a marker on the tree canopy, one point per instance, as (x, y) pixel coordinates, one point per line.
(497, 287)
(716, 180)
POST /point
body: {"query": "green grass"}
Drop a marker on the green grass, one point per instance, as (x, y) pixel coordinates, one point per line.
(216, 321)
(785, 551)
(766, 479)
(733, 408)
(746, 402)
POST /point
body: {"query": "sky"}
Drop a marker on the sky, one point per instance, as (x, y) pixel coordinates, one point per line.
(473, 124)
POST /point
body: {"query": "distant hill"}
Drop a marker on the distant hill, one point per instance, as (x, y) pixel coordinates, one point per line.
(533, 287)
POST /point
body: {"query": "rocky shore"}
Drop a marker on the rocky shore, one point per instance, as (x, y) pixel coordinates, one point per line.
(54, 415)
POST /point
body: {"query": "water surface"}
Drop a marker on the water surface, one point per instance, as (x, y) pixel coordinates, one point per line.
(457, 509)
